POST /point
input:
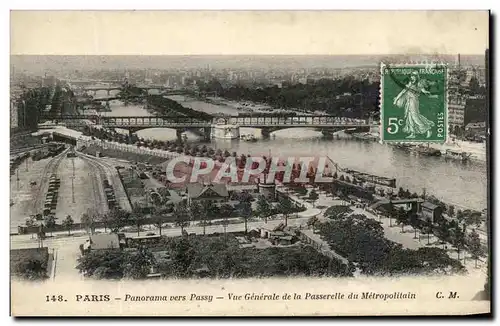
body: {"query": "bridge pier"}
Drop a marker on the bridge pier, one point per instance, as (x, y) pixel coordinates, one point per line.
(266, 133)
(331, 133)
(207, 134)
(109, 92)
(178, 134)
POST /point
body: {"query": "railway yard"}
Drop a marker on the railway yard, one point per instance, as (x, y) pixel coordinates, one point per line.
(63, 184)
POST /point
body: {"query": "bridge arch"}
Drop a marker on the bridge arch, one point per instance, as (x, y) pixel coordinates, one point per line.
(267, 131)
(169, 133)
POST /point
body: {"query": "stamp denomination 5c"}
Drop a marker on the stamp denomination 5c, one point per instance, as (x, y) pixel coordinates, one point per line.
(413, 103)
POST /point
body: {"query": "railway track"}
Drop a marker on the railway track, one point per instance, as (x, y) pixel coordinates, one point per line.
(119, 190)
(97, 183)
(48, 170)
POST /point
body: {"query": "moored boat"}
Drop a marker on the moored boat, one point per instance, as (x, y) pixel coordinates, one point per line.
(365, 136)
(249, 138)
(427, 151)
(457, 155)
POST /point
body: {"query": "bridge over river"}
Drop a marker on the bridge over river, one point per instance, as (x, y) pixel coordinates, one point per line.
(218, 127)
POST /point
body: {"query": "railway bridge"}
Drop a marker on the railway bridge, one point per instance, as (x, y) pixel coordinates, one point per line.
(267, 123)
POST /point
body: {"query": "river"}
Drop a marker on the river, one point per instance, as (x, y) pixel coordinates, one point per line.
(462, 184)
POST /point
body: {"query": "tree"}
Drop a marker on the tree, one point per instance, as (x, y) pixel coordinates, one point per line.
(338, 212)
(158, 219)
(451, 210)
(263, 208)
(391, 211)
(88, 220)
(312, 222)
(138, 220)
(68, 223)
(195, 209)
(313, 196)
(414, 223)
(301, 191)
(181, 216)
(473, 218)
(402, 218)
(285, 207)
(206, 206)
(474, 244)
(428, 230)
(50, 223)
(246, 212)
(31, 269)
(458, 239)
(443, 231)
(30, 222)
(183, 256)
(117, 219)
(138, 264)
(107, 264)
(460, 216)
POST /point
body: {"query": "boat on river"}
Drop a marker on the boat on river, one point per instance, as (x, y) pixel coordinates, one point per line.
(249, 138)
(450, 154)
(401, 146)
(365, 136)
(427, 151)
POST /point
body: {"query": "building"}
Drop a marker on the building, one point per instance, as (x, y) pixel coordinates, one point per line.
(14, 116)
(267, 188)
(430, 212)
(104, 241)
(456, 110)
(476, 127)
(213, 193)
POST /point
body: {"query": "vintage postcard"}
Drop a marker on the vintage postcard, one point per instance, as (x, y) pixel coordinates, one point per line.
(249, 163)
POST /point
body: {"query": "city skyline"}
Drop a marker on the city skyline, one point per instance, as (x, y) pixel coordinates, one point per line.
(58, 63)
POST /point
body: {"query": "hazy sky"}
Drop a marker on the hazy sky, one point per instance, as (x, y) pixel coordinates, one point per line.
(71, 63)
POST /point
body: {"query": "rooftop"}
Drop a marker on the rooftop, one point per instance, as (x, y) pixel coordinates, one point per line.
(429, 205)
(197, 190)
(104, 241)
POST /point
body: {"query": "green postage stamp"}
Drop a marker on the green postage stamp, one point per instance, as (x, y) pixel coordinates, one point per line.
(413, 103)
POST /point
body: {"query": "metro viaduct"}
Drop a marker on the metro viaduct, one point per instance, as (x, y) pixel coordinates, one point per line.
(268, 124)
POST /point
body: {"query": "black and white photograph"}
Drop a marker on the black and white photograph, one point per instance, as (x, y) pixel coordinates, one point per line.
(246, 168)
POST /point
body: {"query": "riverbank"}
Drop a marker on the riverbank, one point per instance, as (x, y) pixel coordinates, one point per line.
(477, 151)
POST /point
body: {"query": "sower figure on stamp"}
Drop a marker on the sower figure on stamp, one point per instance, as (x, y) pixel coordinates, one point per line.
(408, 98)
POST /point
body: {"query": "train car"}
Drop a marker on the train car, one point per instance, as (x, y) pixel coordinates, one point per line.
(112, 203)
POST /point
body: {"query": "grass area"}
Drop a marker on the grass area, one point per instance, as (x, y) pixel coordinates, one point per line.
(29, 263)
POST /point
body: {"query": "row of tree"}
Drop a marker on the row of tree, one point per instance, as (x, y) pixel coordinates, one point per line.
(362, 241)
(182, 215)
(345, 97)
(451, 231)
(165, 106)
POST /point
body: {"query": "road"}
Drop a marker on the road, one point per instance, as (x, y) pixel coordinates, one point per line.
(67, 250)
